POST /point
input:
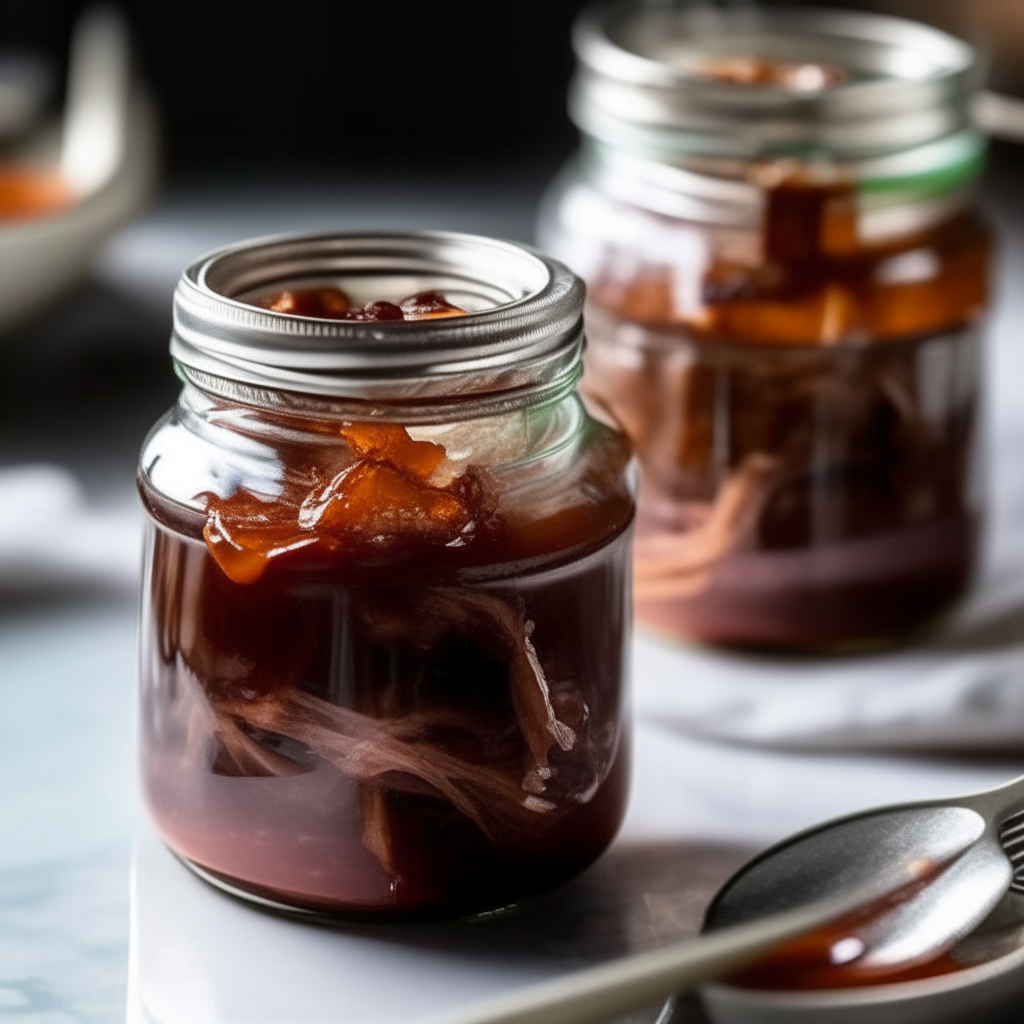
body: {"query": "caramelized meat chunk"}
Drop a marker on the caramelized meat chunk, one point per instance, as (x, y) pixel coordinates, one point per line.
(393, 444)
(377, 311)
(374, 502)
(243, 533)
(808, 77)
(382, 499)
(323, 303)
(334, 304)
(429, 306)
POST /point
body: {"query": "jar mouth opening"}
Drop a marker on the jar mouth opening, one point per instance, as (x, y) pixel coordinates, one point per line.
(523, 328)
(362, 289)
(480, 275)
(677, 45)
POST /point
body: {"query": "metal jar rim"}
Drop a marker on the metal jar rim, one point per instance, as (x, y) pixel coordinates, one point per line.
(526, 342)
(909, 84)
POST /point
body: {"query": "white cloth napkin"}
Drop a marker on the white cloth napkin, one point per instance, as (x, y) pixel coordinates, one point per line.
(52, 539)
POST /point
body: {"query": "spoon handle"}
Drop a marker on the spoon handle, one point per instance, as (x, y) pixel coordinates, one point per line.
(599, 993)
(999, 801)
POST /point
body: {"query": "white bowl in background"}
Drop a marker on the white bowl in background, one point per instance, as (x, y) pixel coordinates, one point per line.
(105, 150)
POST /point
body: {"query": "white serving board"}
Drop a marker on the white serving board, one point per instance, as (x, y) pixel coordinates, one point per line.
(698, 809)
(202, 958)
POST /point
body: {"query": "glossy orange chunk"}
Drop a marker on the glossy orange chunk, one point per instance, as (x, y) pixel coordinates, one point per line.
(391, 442)
(323, 303)
(244, 533)
(376, 502)
(429, 306)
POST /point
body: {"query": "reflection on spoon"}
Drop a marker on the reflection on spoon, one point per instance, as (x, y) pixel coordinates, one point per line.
(838, 955)
(904, 936)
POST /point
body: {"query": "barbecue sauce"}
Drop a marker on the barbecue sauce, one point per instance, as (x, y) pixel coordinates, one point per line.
(805, 422)
(839, 954)
(393, 686)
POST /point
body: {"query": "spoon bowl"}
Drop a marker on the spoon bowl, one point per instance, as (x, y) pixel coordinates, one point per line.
(968, 849)
(962, 868)
(988, 987)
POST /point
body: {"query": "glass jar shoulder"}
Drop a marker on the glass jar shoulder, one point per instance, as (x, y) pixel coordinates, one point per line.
(544, 483)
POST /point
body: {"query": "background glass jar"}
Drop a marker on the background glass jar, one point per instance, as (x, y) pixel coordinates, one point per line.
(786, 275)
(386, 605)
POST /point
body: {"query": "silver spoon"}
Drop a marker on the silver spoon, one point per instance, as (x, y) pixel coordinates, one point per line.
(839, 855)
(966, 850)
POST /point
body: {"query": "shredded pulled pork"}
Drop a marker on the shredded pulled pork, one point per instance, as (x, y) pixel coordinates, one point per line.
(397, 753)
(384, 499)
(672, 565)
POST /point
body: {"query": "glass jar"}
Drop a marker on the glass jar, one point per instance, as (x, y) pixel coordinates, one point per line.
(386, 604)
(786, 273)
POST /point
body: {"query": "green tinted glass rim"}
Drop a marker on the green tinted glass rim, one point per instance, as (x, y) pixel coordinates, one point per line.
(933, 169)
(938, 167)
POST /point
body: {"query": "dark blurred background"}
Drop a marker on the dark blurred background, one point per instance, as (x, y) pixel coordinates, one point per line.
(301, 115)
(262, 88)
(307, 115)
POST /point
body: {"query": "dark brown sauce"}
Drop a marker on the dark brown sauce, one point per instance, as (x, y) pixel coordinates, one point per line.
(797, 490)
(807, 967)
(816, 962)
(337, 717)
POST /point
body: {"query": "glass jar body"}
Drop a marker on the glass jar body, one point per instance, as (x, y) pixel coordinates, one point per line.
(805, 410)
(397, 728)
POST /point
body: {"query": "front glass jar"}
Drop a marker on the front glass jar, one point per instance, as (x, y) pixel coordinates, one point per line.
(786, 276)
(386, 603)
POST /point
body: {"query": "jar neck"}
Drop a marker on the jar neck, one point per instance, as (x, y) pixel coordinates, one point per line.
(504, 439)
(429, 408)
